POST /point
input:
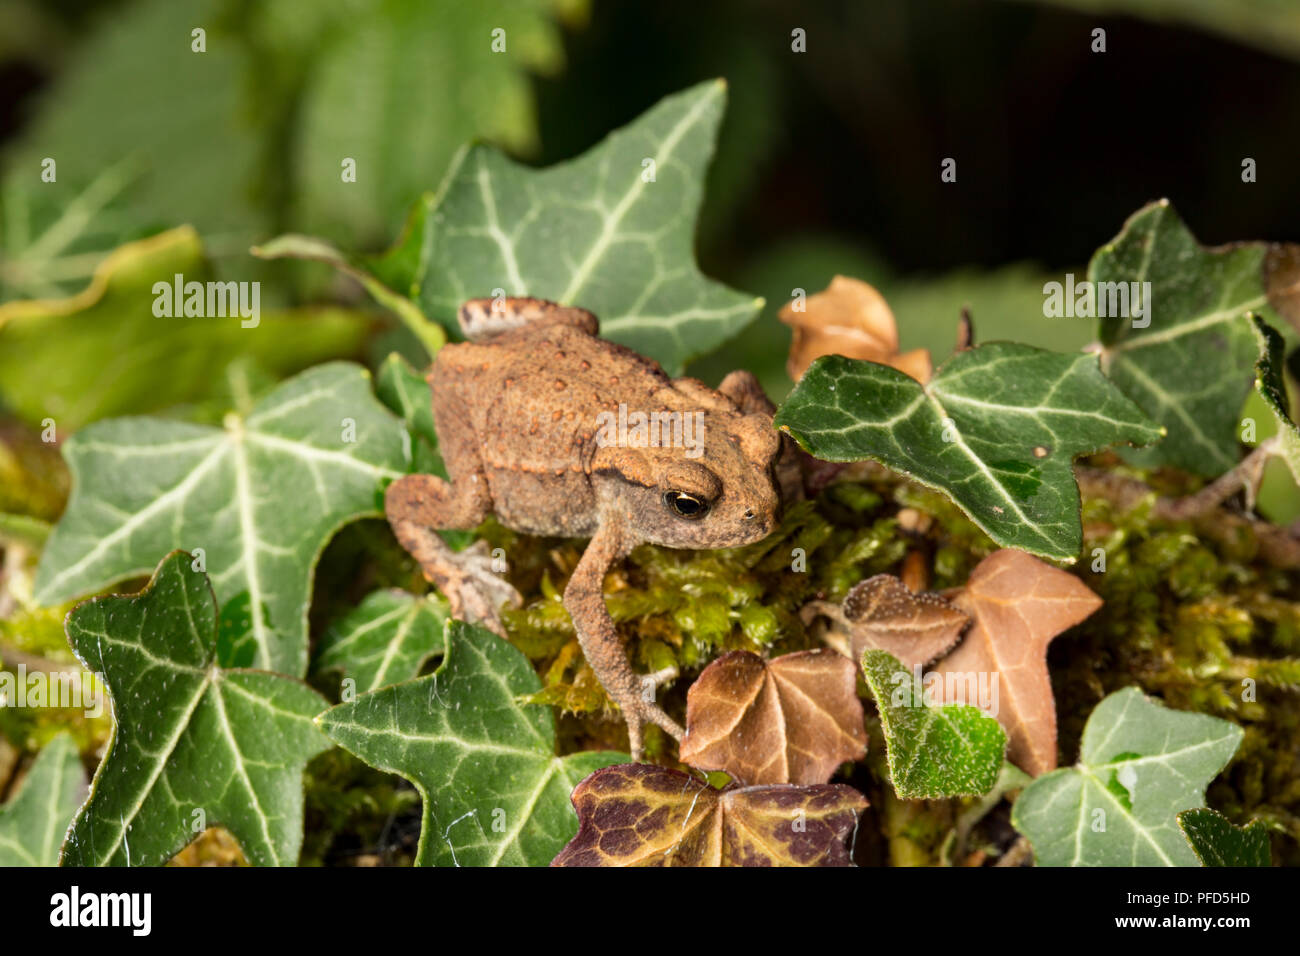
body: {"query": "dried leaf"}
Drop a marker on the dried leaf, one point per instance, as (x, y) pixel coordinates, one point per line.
(789, 720)
(882, 614)
(852, 319)
(643, 815)
(1018, 604)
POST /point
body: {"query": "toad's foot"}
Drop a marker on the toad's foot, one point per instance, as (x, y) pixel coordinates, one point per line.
(481, 586)
(638, 711)
(474, 591)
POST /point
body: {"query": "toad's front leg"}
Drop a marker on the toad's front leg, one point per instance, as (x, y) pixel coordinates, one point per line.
(584, 598)
(417, 504)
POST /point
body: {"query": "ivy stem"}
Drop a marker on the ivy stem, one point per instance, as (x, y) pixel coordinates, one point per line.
(1277, 545)
(1245, 475)
(1017, 854)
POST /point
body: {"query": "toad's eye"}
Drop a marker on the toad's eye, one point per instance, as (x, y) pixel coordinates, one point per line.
(684, 505)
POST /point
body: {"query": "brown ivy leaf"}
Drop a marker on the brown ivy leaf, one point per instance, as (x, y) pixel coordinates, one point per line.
(1018, 604)
(880, 613)
(644, 815)
(849, 318)
(789, 720)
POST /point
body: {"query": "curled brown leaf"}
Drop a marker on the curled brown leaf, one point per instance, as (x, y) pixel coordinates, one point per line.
(644, 815)
(849, 318)
(880, 613)
(793, 719)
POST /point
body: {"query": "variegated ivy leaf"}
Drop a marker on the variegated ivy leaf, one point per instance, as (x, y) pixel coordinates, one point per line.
(493, 789)
(1272, 388)
(33, 822)
(934, 751)
(385, 639)
(1140, 763)
(193, 745)
(611, 231)
(1190, 360)
(997, 428)
(260, 498)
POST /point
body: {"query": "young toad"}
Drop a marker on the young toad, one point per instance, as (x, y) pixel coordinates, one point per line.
(518, 410)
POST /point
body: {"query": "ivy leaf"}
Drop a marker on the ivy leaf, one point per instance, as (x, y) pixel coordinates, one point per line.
(161, 129)
(1271, 386)
(881, 613)
(188, 736)
(1190, 368)
(494, 792)
(411, 53)
(793, 719)
(997, 428)
(33, 822)
(643, 815)
(385, 639)
(933, 752)
(260, 497)
(103, 351)
(606, 231)
(1139, 765)
(1216, 842)
(1018, 605)
(404, 390)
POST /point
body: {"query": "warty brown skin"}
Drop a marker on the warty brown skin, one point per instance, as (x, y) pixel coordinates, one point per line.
(517, 410)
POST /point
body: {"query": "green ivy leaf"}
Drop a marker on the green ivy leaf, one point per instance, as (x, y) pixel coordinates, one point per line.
(1140, 763)
(997, 428)
(385, 639)
(411, 53)
(1216, 842)
(933, 752)
(1271, 387)
(404, 390)
(1191, 367)
(595, 232)
(188, 736)
(103, 351)
(494, 792)
(32, 824)
(261, 497)
(140, 126)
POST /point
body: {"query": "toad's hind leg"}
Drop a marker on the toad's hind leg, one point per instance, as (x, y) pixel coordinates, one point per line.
(418, 504)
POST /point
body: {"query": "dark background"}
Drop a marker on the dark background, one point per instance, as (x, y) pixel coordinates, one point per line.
(1055, 145)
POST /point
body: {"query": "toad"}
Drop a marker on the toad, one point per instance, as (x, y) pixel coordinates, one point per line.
(558, 432)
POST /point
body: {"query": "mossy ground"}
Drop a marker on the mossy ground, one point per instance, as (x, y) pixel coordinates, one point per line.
(1197, 618)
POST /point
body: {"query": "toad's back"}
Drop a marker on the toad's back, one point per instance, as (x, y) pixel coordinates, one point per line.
(522, 407)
